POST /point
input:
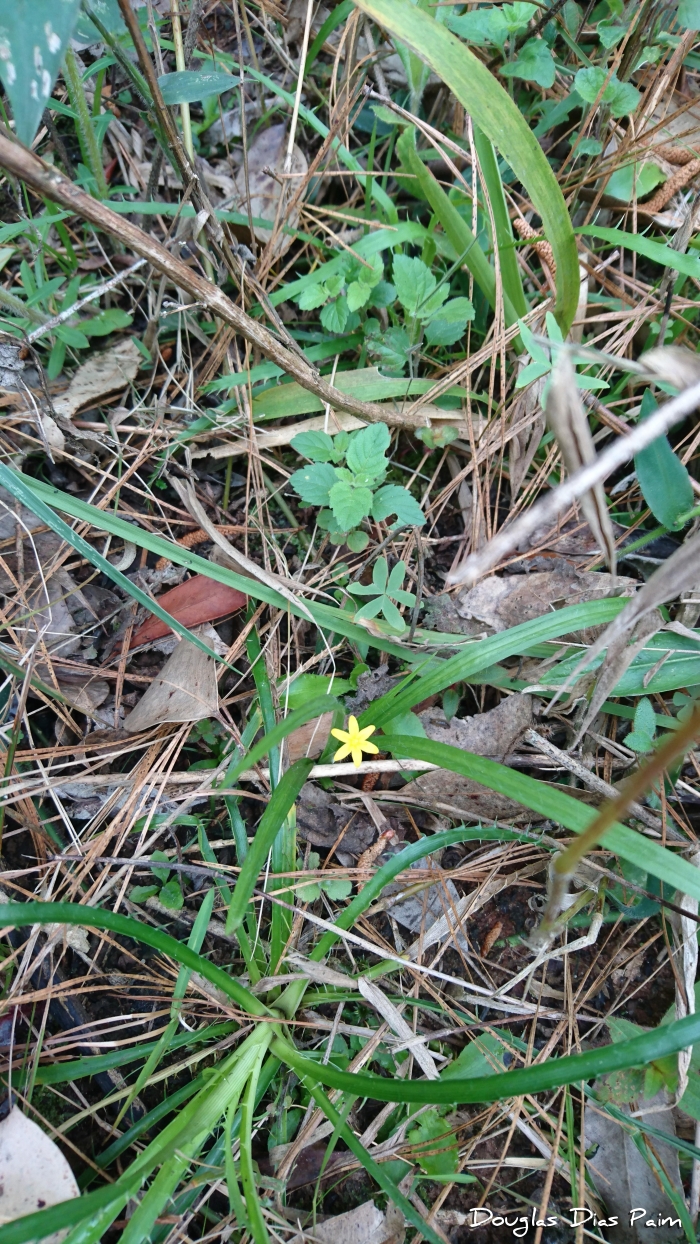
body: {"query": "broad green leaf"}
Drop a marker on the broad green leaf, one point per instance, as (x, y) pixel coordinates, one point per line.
(350, 503)
(318, 446)
(434, 1146)
(610, 33)
(187, 86)
(663, 479)
(161, 873)
(482, 27)
(358, 295)
(393, 499)
(313, 296)
(688, 14)
(392, 348)
(139, 893)
(171, 896)
(34, 36)
(367, 449)
(621, 97)
(314, 483)
(108, 13)
(634, 180)
(414, 283)
(334, 315)
(534, 63)
(498, 116)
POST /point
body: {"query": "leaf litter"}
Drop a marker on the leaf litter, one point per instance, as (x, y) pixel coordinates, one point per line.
(401, 259)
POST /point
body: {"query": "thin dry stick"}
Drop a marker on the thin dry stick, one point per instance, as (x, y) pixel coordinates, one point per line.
(46, 180)
(564, 865)
(556, 502)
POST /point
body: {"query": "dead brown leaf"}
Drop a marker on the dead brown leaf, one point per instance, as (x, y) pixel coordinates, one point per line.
(103, 373)
(185, 690)
(268, 152)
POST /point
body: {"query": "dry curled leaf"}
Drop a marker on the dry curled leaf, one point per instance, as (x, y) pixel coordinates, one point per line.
(567, 420)
(102, 374)
(185, 690)
(191, 603)
(268, 152)
(364, 1225)
(34, 1174)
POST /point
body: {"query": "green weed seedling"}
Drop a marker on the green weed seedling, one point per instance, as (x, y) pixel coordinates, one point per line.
(169, 892)
(351, 492)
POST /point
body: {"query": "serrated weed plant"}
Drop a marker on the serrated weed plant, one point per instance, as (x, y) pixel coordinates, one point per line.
(345, 477)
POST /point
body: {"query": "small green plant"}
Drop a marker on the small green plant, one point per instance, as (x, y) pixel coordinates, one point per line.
(334, 888)
(385, 589)
(541, 364)
(436, 1150)
(169, 892)
(643, 733)
(352, 492)
(420, 308)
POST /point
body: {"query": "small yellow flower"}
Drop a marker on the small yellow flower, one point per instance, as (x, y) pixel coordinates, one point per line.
(354, 742)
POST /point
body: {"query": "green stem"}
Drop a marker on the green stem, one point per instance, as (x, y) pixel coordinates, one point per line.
(83, 122)
(181, 66)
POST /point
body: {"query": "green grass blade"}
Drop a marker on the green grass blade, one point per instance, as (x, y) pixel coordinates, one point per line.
(480, 656)
(659, 252)
(507, 256)
(553, 804)
(326, 616)
(17, 485)
(456, 228)
(617, 1056)
(63, 1216)
(283, 798)
(498, 116)
(17, 915)
(374, 1169)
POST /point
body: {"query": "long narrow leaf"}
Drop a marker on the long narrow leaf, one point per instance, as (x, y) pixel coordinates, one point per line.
(283, 798)
(497, 115)
(554, 804)
(660, 1042)
(16, 915)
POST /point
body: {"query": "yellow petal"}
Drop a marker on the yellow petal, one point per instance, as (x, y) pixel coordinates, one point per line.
(364, 734)
(342, 752)
(352, 725)
(357, 757)
(342, 735)
(371, 748)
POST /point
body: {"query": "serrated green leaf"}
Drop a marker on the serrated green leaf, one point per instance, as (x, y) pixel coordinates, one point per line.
(367, 449)
(312, 296)
(318, 446)
(435, 1148)
(645, 717)
(393, 499)
(334, 315)
(534, 63)
(414, 283)
(349, 503)
(314, 483)
(358, 295)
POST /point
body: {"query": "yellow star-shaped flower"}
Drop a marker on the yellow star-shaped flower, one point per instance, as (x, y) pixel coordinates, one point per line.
(354, 742)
